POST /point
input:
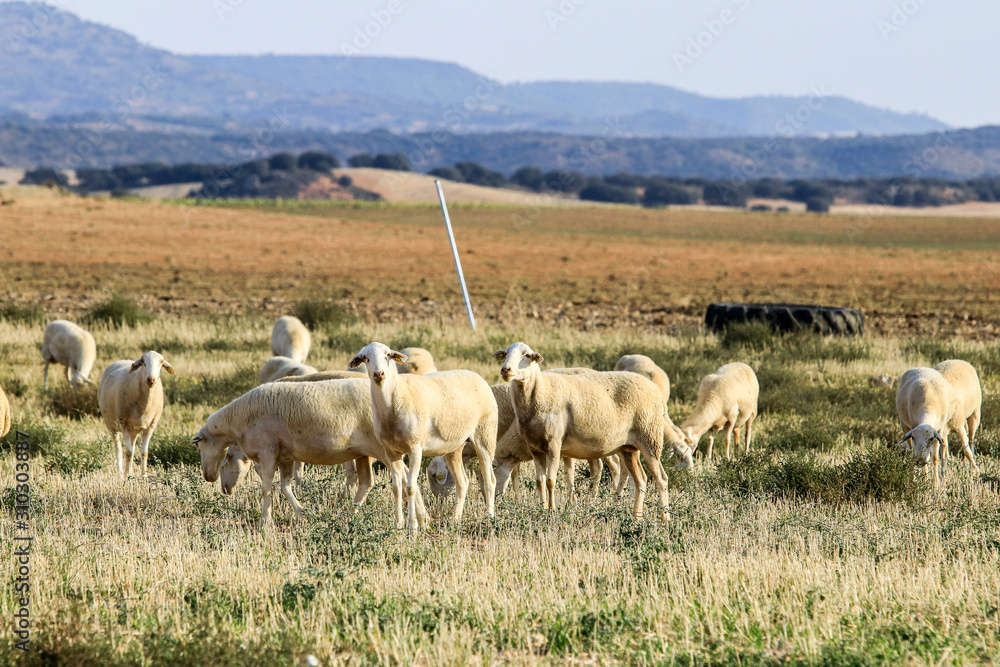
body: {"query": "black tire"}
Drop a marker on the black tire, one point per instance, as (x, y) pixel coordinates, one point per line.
(788, 317)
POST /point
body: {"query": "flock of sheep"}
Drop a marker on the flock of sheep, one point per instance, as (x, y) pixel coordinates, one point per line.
(402, 406)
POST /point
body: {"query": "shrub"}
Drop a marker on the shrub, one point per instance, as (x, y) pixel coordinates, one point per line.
(213, 391)
(14, 386)
(818, 204)
(391, 161)
(283, 162)
(447, 173)
(43, 176)
(30, 314)
(317, 314)
(532, 178)
(74, 401)
(479, 175)
(173, 448)
(118, 311)
(361, 160)
(318, 161)
(751, 335)
(77, 458)
(345, 181)
(665, 193)
(604, 192)
(560, 180)
(726, 193)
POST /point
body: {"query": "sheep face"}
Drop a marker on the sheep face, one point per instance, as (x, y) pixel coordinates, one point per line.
(921, 443)
(379, 360)
(516, 360)
(438, 470)
(213, 452)
(152, 363)
(234, 469)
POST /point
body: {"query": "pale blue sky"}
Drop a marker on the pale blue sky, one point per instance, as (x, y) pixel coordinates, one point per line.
(929, 56)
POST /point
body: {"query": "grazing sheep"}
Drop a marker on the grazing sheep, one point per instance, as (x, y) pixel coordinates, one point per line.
(882, 380)
(964, 380)
(643, 365)
(276, 368)
(587, 416)
(430, 414)
(290, 338)
(4, 414)
(928, 411)
(418, 361)
(440, 478)
(278, 423)
(131, 404)
(67, 343)
(727, 399)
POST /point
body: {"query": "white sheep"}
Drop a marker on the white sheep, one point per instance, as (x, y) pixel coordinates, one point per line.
(430, 414)
(927, 406)
(727, 400)
(131, 404)
(4, 414)
(279, 423)
(67, 343)
(290, 338)
(440, 478)
(280, 367)
(418, 361)
(964, 380)
(587, 416)
(643, 365)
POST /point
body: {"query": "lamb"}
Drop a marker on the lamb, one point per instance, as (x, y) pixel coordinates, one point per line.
(67, 343)
(587, 416)
(964, 380)
(927, 406)
(4, 414)
(434, 414)
(131, 404)
(440, 478)
(727, 399)
(418, 361)
(280, 367)
(290, 338)
(276, 424)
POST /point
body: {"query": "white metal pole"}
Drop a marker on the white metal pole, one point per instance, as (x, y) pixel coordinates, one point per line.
(454, 254)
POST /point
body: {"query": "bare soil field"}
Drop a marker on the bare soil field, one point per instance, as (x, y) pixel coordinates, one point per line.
(589, 267)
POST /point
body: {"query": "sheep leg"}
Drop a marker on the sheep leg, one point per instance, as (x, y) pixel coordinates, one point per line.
(287, 471)
(635, 472)
(266, 472)
(363, 468)
(729, 438)
(967, 448)
(397, 470)
(45, 376)
(423, 518)
(973, 425)
(487, 478)
(515, 472)
(623, 476)
(146, 437)
(616, 469)
(596, 469)
(661, 481)
(297, 473)
(569, 465)
(130, 441)
(504, 472)
(541, 483)
(116, 440)
(749, 424)
(351, 474)
(412, 480)
(711, 443)
(454, 462)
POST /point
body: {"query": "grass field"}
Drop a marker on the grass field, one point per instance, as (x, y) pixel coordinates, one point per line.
(820, 548)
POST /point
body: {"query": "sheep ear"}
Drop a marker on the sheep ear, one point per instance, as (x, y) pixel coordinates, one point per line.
(168, 368)
(398, 357)
(500, 355)
(537, 358)
(137, 364)
(196, 439)
(356, 361)
(939, 437)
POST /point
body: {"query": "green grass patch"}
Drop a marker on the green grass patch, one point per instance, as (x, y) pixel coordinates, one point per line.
(74, 401)
(118, 311)
(31, 315)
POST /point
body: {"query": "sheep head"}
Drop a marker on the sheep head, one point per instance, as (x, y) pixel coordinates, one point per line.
(515, 360)
(234, 469)
(213, 448)
(921, 443)
(152, 362)
(379, 360)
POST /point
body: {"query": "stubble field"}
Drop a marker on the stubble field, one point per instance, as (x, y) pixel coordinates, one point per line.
(821, 547)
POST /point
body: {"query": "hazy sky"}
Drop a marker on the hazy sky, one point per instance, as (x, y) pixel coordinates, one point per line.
(929, 56)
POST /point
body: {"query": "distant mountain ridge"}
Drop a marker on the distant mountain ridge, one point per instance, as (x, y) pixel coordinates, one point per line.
(67, 67)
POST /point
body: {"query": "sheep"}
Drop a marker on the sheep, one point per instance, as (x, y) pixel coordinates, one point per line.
(418, 361)
(278, 423)
(440, 478)
(280, 367)
(67, 343)
(727, 399)
(290, 338)
(927, 405)
(434, 414)
(131, 404)
(643, 365)
(586, 416)
(4, 414)
(964, 380)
